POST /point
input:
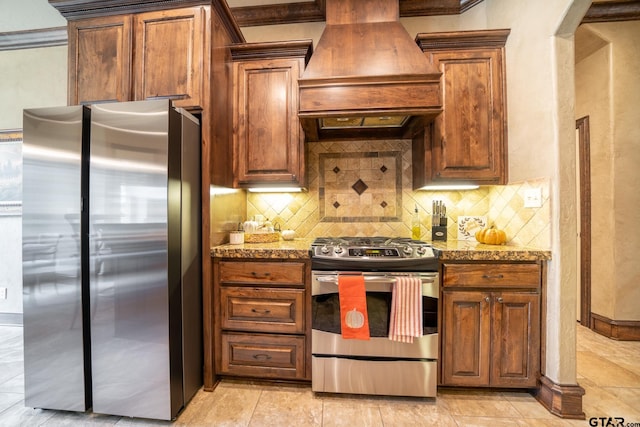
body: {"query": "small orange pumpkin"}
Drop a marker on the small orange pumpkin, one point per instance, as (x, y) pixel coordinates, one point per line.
(354, 319)
(491, 236)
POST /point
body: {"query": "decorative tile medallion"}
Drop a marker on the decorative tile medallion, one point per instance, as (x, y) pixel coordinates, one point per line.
(360, 186)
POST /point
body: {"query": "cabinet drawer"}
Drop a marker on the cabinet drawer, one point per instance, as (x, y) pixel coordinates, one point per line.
(290, 273)
(262, 309)
(491, 275)
(264, 356)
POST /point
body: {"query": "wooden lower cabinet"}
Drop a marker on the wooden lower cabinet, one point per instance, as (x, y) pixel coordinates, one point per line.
(261, 321)
(491, 333)
(263, 355)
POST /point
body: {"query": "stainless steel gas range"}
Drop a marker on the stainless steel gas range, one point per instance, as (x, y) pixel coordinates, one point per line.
(378, 366)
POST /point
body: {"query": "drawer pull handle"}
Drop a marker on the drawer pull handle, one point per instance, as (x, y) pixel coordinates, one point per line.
(253, 310)
(265, 275)
(262, 356)
(489, 276)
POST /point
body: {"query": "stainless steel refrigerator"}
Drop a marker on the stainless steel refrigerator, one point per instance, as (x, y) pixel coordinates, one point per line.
(112, 258)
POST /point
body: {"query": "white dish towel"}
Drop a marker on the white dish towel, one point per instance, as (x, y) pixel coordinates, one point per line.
(405, 322)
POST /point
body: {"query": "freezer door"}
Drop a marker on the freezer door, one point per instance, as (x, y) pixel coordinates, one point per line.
(54, 336)
(130, 214)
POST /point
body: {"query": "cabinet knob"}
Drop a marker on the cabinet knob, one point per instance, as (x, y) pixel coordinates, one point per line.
(486, 299)
(499, 299)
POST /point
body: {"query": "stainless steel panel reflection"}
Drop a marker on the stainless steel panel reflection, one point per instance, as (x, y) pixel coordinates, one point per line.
(389, 378)
(52, 293)
(327, 343)
(129, 265)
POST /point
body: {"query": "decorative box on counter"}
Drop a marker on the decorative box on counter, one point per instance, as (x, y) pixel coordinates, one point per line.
(265, 237)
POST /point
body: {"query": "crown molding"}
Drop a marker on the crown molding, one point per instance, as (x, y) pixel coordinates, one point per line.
(77, 9)
(613, 11)
(29, 39)
(314, 11)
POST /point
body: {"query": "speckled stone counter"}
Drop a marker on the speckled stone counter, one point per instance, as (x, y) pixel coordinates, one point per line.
(284, 249)
(453, 250)
(466, 250)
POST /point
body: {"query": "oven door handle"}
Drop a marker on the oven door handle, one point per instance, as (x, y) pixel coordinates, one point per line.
(426, 278)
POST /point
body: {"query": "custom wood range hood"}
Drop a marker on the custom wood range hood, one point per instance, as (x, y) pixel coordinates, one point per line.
(367, 78)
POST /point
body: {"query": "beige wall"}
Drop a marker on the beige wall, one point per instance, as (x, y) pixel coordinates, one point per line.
(608, 90)
(31, 78)
(540, 94)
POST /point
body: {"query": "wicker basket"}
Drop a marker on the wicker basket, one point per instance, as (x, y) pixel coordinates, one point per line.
(261, 237)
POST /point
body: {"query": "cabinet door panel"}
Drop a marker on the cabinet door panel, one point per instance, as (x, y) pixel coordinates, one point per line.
(466, 338)
(468, 141)
(516, 352)
(169, 55)
(268, 142)
(100, 60)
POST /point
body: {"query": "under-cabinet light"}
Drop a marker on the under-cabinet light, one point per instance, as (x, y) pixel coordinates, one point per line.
(449, 187)
(219, 191)
(275, 190)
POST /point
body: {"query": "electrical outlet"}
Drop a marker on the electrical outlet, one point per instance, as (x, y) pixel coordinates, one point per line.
(3, 293)
(533, 198)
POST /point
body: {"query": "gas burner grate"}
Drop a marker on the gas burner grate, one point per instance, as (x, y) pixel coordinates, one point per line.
(356, 241)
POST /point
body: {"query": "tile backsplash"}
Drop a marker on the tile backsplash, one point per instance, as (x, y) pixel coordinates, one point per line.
(365, 188)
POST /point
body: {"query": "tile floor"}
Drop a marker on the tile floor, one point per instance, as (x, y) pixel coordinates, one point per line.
(608, 370)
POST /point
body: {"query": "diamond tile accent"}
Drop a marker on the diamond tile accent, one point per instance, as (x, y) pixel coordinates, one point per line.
(336, 205)
(359, 187)
(336, 169)
(383, 168)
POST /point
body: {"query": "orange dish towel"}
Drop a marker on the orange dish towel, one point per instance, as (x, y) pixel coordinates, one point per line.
(353, 307)
(405, 322)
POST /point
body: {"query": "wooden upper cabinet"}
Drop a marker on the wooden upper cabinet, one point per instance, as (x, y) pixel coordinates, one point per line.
(150, 55)
(100, 51)
(169, 55)
(268, 141)
(467, 142)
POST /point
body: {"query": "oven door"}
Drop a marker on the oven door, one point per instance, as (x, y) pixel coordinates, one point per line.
(326, 339)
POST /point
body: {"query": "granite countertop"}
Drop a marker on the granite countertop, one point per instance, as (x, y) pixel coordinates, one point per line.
(453, 250)
(284, 249)
(467, 250)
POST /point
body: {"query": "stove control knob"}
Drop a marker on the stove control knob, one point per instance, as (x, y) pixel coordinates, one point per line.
(324, 250)
(422, 250)
(338, 250)
(407, 250)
